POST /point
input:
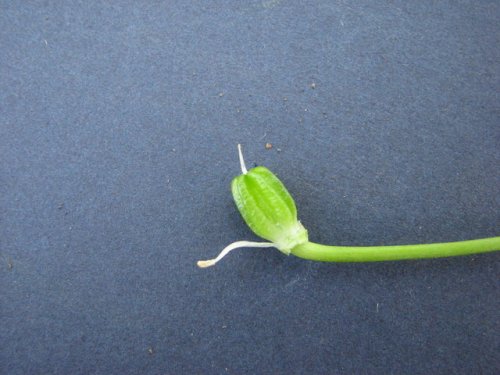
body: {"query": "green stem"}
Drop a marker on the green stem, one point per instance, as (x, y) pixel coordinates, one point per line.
(324, 253)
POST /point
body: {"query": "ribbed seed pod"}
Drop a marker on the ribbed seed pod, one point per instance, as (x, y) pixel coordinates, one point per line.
(268, 208)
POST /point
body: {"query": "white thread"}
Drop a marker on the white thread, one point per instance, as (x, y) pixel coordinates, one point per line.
(242, 162)
(227, 249)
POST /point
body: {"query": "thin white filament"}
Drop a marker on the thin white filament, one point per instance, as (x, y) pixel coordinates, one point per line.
(242, 162)
(227, 249)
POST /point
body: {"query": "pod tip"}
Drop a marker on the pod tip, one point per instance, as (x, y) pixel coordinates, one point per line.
(242, 161)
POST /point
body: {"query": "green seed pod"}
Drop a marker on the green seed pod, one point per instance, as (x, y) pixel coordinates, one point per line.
(268, 208)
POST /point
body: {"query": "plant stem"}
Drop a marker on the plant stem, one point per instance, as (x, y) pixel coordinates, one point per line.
(324, 253)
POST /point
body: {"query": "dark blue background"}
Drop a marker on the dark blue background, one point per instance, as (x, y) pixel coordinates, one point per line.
(118, 130)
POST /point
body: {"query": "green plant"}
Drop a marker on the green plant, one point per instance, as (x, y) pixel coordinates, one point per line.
(270, 212)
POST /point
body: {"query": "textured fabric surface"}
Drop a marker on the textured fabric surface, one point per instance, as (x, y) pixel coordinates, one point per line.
(118, 130)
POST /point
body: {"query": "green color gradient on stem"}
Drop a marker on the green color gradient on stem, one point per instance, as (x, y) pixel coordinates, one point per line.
(324, 253)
